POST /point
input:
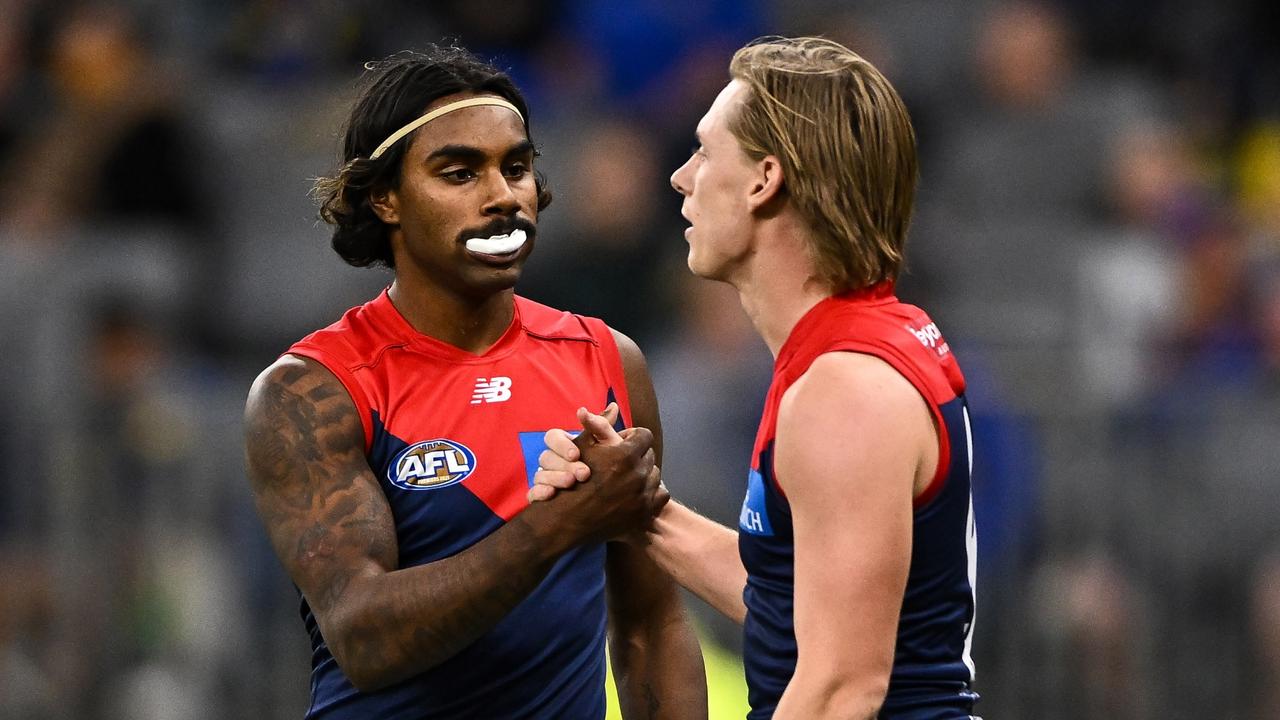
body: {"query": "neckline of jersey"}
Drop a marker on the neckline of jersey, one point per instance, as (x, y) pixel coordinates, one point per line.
(388, 315)
(879, 294)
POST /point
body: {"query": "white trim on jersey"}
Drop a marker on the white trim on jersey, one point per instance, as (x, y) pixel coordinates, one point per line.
(971, 548)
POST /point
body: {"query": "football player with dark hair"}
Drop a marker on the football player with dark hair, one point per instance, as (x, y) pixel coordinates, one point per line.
(390, 454)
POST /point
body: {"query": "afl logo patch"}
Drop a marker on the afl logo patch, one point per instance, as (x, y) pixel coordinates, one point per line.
(431, 464)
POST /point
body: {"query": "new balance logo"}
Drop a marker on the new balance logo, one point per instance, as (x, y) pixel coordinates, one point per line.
(491, 390)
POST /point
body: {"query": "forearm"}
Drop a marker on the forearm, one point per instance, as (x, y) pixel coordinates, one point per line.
(390, 626)
(659, 671)
(701, 555)
(656, 658)
(816, 694)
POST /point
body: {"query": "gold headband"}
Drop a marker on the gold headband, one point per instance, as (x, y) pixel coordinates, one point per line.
(460, 104)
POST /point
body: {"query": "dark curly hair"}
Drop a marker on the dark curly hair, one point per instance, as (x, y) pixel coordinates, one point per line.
(397, 91)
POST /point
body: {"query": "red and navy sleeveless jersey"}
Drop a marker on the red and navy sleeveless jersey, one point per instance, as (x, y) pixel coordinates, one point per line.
(454, 439)
(932, 671)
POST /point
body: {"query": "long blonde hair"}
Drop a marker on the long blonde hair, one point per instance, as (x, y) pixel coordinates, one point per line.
(847, 149)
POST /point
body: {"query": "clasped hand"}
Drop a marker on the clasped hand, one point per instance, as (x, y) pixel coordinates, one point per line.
(600, 454)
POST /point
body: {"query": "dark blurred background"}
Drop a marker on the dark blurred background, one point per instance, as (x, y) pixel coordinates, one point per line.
(1098, 233)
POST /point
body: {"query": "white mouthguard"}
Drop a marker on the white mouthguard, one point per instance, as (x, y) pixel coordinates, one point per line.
(498, 244)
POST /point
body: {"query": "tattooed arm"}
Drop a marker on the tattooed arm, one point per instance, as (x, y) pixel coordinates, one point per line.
(332, 528)
(656, 658)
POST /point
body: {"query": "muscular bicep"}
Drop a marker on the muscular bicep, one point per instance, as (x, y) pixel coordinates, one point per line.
(323, 510)
(852, 437)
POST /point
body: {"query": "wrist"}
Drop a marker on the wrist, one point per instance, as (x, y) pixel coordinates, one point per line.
(666, 524)
(662, 537)
(546, 532)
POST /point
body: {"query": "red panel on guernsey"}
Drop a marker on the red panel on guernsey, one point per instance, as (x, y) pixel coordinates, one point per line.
(873, 322)
(554, 361)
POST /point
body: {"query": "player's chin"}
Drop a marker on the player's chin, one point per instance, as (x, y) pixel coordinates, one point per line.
(490, 278)
(708, 271)
(698, 265)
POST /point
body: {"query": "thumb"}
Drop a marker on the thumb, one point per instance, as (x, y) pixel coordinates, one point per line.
(599, 426)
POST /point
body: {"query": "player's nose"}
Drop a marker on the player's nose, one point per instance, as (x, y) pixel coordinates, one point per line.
(500, 198)
(679, 178)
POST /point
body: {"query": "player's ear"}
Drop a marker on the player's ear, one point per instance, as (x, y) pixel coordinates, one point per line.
(768, 185)
(386, 204)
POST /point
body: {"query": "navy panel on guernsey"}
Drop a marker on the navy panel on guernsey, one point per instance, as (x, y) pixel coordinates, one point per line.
(544, 659)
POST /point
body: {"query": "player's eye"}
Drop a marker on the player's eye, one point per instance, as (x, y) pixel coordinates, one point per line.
(459, 174)
(517, 170)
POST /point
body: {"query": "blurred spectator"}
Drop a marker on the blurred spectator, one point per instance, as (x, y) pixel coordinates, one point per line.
(711, 372)
(159, 634)
(602, 253)
(648, 46)
(1265, 618)
(513, 34)
(283, 42)
(1170, 342)
(114, 147)
(1258, 175)
(1085, 612)
(15, 79)
(1029, 143)
(27, 613)
(1008, 207)
(1256, 456)
(1132, 305)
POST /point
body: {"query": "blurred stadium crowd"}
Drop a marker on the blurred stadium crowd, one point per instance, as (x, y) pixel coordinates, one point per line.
(1098, 233)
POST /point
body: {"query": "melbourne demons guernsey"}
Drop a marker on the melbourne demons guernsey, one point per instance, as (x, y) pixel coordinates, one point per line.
(453, 439)
(932, 672)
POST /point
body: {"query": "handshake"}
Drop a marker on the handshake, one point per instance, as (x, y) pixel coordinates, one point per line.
(607, 483)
